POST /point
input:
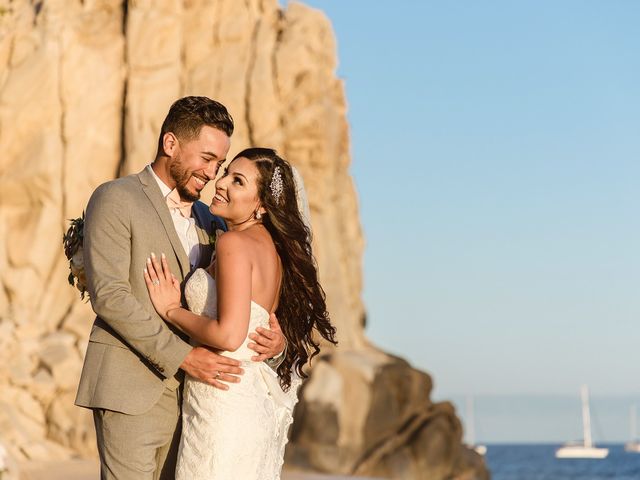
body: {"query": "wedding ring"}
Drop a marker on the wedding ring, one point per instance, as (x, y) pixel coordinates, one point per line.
(156, 282)
(217, 375)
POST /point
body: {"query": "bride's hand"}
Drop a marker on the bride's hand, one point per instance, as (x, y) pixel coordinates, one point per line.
(163, 287)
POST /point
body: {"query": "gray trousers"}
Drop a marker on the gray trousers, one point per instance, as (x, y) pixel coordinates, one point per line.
(140, 447)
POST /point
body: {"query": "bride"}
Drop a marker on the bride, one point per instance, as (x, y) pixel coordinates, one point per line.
(263, 264)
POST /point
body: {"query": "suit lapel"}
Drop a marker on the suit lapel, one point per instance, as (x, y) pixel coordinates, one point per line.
(152, 191)
(204, 228)
(203, 222)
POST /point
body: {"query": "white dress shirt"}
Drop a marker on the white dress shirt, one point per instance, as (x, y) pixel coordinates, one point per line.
(185, 227)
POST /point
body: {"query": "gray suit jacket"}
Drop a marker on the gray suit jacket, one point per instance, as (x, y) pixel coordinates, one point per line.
(133, 355)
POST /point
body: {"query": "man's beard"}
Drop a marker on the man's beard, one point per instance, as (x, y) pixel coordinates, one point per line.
(182, 177)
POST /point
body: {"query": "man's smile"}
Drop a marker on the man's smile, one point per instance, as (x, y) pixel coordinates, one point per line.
(200, 181)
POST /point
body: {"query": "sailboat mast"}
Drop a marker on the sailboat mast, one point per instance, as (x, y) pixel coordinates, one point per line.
(586, 417)
(471, 431)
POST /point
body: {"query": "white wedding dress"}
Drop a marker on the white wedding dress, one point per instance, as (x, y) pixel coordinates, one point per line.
(239, 433)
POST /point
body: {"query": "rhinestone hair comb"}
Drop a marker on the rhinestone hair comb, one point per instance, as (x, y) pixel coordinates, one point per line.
(276, 184)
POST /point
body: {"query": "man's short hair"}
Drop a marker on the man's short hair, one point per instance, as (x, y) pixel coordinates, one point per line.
(188, 115)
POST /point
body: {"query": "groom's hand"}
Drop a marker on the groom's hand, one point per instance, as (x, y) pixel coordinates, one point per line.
(267, 342)
(212, 368)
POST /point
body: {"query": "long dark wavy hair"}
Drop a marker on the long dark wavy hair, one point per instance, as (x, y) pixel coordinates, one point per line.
(302, 306)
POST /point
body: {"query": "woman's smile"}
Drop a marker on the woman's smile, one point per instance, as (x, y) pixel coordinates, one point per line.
(218, 198)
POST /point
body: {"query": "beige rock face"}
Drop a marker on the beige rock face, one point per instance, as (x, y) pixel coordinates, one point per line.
(62, 79)
(84, 87)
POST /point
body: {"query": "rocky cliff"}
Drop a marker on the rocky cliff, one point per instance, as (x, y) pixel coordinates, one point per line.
(84, 87)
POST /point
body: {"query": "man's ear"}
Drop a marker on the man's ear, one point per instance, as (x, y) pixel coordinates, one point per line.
(169, 144)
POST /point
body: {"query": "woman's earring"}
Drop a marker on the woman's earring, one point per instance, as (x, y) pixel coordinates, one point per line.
(258, 215)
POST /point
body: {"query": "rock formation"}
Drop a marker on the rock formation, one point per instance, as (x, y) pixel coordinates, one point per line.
(84, 87)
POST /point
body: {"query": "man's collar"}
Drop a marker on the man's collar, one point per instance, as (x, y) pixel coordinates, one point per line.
(163, 186)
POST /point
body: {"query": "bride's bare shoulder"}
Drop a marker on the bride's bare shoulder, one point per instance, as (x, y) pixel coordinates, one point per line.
(242, 243)
(230, 242)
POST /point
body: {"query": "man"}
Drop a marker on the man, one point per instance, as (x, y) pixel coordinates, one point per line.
(132, 371)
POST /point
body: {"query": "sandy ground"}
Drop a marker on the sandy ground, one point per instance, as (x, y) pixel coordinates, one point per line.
(88, 470)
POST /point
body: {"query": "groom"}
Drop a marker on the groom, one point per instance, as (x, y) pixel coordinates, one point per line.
(133, 366)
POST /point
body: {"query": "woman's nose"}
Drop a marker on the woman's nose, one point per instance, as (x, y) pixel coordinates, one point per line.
(221, 183)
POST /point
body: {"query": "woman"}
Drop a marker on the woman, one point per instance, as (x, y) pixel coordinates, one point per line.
(263, 264)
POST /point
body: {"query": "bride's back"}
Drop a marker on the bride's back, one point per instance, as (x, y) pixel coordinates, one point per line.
(266, 271)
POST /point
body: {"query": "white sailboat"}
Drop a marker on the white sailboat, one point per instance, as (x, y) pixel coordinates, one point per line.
(471, 429)
(586, 449)
(633, 445)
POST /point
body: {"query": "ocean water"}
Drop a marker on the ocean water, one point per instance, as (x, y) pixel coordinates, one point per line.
(537, 462)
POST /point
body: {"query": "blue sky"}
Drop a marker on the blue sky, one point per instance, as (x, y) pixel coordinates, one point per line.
(496, 150)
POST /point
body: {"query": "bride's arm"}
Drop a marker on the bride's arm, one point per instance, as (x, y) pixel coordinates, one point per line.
(233, 281)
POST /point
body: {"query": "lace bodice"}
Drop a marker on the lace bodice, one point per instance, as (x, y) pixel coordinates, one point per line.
(200, 287)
